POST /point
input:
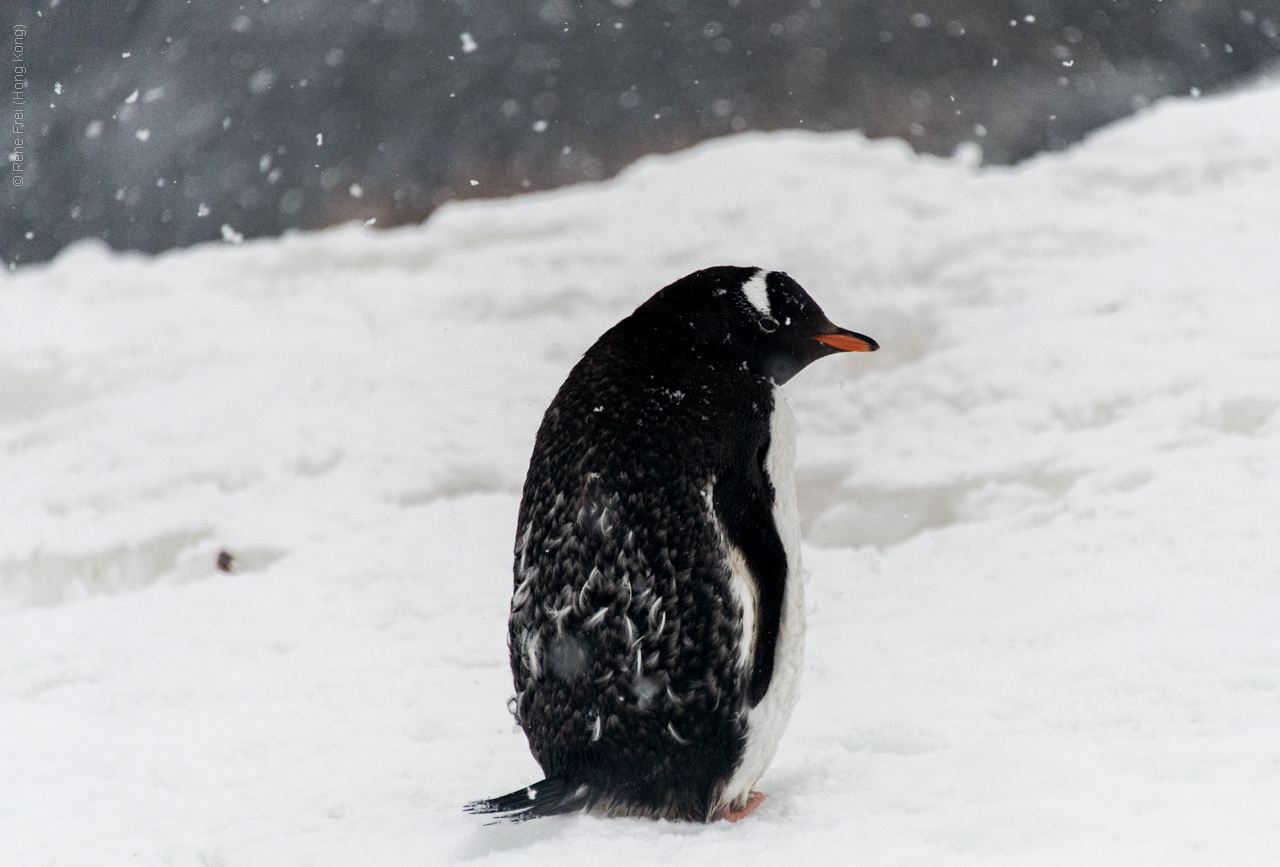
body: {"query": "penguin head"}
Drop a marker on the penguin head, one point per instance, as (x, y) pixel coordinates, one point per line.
(763, 319)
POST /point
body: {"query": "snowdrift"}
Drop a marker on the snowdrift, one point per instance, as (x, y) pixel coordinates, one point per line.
(1040, 523)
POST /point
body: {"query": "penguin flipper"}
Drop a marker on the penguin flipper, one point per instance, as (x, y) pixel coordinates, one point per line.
(551, 797)
(743, 501)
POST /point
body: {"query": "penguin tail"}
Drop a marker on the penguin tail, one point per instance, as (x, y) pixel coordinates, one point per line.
(553, 796)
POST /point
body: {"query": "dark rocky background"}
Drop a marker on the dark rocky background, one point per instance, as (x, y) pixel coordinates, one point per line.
(153, 124)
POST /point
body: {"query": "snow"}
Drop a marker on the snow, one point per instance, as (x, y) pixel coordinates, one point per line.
(1044, 599)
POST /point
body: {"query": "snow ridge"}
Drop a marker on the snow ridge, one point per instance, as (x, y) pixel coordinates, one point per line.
(1044, 595)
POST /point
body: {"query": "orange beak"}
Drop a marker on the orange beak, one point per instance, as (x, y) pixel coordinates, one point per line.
(847, 341)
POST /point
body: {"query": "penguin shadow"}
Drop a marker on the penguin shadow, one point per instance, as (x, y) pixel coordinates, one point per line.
(494, 837)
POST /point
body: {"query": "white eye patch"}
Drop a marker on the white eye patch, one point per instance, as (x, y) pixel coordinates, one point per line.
(757, 293)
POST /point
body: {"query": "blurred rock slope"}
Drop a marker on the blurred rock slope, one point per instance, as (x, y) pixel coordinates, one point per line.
(154, 124)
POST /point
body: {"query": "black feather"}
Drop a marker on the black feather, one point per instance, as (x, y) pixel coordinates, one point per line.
(551, 797)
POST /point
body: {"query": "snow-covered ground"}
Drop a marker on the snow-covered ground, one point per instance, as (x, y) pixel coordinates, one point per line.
(1041, 524)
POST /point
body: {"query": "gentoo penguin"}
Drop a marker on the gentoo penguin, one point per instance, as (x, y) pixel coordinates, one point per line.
(657, 619)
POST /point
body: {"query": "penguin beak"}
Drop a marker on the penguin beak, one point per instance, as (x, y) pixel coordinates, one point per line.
(848, 341)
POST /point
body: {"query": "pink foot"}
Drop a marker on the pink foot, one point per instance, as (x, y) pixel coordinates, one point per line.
(728, 814)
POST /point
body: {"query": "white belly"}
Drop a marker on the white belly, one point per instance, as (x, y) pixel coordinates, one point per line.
(767, 720)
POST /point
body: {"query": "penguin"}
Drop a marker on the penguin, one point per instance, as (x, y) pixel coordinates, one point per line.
(657, 615)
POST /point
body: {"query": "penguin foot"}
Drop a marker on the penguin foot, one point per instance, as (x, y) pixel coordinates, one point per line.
(728, 814)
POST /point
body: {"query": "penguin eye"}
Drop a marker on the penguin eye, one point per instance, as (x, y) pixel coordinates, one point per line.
(768, 324)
